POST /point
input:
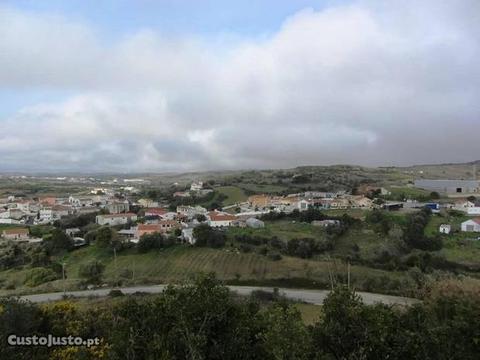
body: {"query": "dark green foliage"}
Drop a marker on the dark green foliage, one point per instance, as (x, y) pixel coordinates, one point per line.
(380, 221)
(208, 236)
(22, 319)
(39, 275)
(434, 195)
(200, 321)
(92, 272)
(104, 237)
(414, 232)
(148, 242)
(304, 248)
(78, 221)
(57, 242)
(204, 320)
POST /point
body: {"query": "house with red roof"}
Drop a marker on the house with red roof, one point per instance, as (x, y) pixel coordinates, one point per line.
(218, 219)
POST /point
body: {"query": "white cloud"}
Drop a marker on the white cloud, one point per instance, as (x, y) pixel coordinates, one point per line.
(364, 83)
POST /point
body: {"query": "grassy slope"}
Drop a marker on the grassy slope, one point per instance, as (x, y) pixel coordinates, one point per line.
(459, 246)
(234, 194)
(182, 262)
(262, 188)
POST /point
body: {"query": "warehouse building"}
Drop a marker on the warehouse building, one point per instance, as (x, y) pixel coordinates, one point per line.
(449, 186)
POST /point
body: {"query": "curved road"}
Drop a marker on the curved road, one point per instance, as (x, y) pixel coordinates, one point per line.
(310, 296)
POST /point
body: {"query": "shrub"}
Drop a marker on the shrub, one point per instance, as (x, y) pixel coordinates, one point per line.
(115, 293)
(39, 275)
(274, 256)
(92, 272)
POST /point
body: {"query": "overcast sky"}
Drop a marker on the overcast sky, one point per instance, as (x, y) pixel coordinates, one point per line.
(194, 85)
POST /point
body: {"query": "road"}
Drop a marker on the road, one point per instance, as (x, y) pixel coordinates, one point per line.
(310, 296)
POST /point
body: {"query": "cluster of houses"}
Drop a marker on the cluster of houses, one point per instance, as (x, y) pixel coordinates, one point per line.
(309, 199)
(183, 220)
(46, 210)
(196, 189)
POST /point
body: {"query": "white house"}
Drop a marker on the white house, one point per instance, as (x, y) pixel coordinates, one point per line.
(445, 229)
(196, 186)
(472, 225)
(475, 210)
(187, 235)
(218, 219)
(463, 205)
(191, 211)
(115, 219)
(117, 207)
(303, 205)
(18, 234)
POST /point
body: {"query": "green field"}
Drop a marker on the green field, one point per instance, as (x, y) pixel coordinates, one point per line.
(284, 230)
(263, 188)
(407, 192)
(234, 194)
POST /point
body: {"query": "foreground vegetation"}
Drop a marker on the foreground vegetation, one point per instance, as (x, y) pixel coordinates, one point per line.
(205, 321)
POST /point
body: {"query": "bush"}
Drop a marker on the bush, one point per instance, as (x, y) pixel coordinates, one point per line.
(115, 293)
(92, 272)
(246, 248)
(40, 275)
(148, 242)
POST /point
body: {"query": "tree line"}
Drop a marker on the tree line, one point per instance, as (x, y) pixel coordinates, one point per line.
(204, 320)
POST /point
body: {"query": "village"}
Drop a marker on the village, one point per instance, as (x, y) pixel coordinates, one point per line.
(135, 216)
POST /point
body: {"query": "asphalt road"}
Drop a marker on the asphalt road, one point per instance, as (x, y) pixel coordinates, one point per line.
(310, 296)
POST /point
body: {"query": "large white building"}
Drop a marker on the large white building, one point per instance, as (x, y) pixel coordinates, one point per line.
(449, 186)
(472, 225)
(115, 219)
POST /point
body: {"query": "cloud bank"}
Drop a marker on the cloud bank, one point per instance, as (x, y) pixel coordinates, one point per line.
(364, 83)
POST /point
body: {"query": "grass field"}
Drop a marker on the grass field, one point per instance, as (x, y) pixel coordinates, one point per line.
(407, 192)
(355, 213)
(284, 230)
(459, 247)
(234, 194)
(263, 188)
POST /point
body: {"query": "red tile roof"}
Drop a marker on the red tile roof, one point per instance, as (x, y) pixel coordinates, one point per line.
(120, 215)
(156, 211)
(214, 216)
(19, 231)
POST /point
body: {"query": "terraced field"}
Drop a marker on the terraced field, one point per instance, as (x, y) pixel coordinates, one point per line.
(182, 262)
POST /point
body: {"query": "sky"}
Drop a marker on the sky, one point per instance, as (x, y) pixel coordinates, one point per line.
(135, 86)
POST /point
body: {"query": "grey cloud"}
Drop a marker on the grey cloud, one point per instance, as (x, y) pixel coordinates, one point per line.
(365, 83)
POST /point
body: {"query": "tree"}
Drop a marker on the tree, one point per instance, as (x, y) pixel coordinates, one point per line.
(194, 321)
(282, 322)
(150, 241)
(434, 195)
(205, 235)
(104, 237)
(92, 271)
(57, 241)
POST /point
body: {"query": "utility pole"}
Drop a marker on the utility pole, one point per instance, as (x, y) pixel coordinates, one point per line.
(63, 279)
(348, 275)
(115, 265)
(133, 271)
